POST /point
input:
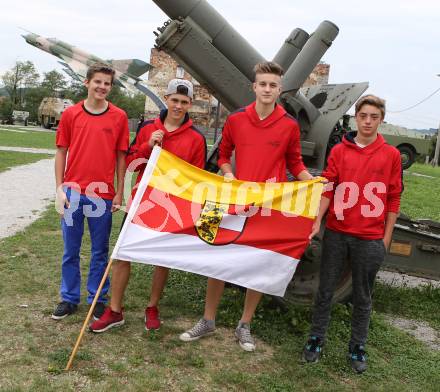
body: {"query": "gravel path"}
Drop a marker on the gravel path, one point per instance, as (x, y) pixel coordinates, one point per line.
(28, 149)
(401, 280)
(25, 192)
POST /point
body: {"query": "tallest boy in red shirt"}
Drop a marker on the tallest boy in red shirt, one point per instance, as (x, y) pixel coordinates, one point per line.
(92, 140)
(266, 141)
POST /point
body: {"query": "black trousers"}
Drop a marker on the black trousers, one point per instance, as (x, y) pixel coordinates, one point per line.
(366, 257)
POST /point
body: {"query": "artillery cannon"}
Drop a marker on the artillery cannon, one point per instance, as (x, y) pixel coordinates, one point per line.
(215, 54)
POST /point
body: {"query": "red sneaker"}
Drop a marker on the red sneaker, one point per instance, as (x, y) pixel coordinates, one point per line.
(152, 320)
(108, 320)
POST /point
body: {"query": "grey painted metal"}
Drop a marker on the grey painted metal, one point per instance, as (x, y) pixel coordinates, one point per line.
(222, 35)
(190, 47)
(291, 48)
(310, 55)
(415, 248)
(338, 99)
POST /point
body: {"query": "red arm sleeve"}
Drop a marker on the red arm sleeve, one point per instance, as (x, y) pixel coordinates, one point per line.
(331, 173)
(293, 153)
(226, 145)
(139, 149)
(395, 185)
(199, 153)
(64, 130)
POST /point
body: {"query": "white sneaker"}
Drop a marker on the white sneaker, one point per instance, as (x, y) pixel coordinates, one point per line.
(202, 328)
(244, 337)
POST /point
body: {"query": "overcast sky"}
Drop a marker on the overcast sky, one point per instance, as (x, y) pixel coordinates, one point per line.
(394, 45)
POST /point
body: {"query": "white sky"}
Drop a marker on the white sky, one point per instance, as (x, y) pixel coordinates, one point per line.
(394, 45)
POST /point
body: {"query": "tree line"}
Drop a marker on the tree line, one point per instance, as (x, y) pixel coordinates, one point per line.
(24, 88)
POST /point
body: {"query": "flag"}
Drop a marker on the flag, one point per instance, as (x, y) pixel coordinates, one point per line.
(247, 233)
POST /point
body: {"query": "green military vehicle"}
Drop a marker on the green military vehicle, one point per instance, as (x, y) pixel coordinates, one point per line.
(409, 147)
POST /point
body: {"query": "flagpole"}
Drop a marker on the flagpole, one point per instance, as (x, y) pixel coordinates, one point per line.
(134, 205)
(89, 314)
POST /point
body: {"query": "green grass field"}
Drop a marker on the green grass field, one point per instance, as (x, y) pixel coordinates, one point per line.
(10, 159)
(35, 139)
(420, 198)
(35, 348)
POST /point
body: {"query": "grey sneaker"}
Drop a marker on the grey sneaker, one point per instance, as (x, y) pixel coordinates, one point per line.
(358, 358)
(202, 328)
(244, 337)
(313, 349)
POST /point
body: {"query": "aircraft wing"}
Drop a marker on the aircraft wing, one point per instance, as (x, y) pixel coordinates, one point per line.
(74, 68)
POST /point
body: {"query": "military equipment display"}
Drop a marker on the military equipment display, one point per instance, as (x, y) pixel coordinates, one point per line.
(410, 147)
(76, 62)
(215, 54)
(50, 110)
(20, 116)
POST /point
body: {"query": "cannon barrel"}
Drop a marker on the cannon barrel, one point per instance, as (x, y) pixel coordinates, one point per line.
(310, 55)
(291, 48)
(222, 35)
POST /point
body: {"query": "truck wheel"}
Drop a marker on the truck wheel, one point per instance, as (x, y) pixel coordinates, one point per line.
(407, 156)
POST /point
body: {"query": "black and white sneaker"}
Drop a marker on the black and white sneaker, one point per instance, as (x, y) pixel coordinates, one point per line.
(99, 310)
(64, 309)
(358, 358)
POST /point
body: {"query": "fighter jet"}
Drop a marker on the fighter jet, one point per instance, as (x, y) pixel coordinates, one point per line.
(76, 62)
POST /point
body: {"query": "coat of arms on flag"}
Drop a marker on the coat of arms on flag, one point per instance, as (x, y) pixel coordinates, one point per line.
(217, 225)
(250, 234)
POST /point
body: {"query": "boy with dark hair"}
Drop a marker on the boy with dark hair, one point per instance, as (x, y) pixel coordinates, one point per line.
(362, 201)
(92, 140)
(266, 141)
(174, 130)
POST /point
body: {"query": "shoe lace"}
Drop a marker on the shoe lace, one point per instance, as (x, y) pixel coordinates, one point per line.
(358, 353)
(245, 335)
(198, 328)
(314, 344)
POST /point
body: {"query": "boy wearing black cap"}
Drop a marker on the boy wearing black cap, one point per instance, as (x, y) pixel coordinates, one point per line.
(174, 130)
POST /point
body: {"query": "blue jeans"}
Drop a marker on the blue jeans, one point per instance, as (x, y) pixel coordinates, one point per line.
(99, 218)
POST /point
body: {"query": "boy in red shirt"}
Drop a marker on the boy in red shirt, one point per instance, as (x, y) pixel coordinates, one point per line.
(365, 183)
(174, 130)
(93, 139)
(266, 141)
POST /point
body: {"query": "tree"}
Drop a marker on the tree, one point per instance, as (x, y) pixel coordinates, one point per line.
(76, 91)
(53, 82)
(133, 104)
(18, 80)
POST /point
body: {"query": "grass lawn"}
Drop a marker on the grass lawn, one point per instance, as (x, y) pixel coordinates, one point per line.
(35, 139)
(426, 170)
(35, 348)
(421, 196)
(10, 159)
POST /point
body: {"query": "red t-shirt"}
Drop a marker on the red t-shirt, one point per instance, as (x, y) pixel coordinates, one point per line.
(263, 148)
(92, 141)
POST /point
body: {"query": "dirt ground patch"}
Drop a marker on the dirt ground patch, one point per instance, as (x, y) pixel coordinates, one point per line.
(419, 329)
